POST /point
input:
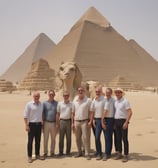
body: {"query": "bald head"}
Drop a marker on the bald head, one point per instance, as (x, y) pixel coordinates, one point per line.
(36, 96)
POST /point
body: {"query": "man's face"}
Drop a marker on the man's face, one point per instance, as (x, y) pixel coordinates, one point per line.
(98, 92)
(36, 97)
(108, 93)
(51, 95)
(118, 94)
(81, 92)
(66, 96)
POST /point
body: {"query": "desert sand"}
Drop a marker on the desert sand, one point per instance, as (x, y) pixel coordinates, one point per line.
(143, 135)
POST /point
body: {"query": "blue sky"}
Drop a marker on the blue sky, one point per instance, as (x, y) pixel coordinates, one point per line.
(23, 20)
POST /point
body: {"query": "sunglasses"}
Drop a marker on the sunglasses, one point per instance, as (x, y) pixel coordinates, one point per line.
(51, 94)
(98, 91)
(80, 90)
(118, 92)
(65, 95)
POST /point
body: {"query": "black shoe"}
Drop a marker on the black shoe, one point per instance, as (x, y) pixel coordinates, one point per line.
(95, 154)
(52, 155)
(45, 156)
(60, 154)
(68, 154)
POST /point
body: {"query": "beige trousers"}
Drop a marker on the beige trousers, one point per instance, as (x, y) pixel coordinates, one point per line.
(82, 134)
(49, 129)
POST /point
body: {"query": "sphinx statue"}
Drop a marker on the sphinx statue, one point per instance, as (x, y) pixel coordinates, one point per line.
(68, 79)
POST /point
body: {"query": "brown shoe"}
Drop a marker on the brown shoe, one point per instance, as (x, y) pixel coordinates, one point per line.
(40, 157)
(106, 157)
(78, 155)
(29, 159)
(45, 156)
(98, 157)
(125, 158)
(88, 157)
(118, 156)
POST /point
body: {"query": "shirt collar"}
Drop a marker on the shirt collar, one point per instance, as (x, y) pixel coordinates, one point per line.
(99, 98)
(85, 97)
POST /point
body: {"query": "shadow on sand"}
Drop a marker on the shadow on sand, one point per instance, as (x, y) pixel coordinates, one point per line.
(141, 157)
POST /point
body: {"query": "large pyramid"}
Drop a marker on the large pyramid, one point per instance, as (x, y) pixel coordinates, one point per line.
(100, 52)
(40, 47)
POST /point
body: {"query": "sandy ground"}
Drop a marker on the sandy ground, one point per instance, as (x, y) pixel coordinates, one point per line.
(143, 135)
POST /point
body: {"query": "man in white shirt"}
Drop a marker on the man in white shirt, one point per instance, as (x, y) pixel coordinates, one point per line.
(108, 122)
(63, 122)
(33, 125)
(122, 117)
(97, 107)
(82, 120)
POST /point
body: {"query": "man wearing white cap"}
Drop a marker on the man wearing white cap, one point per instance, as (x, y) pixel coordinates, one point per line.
(122, 116)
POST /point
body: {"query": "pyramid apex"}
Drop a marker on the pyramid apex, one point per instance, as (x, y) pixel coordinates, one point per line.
(94, 16)
(42, 35)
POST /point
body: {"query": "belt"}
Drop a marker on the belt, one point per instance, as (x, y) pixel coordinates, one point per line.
(65, 119)
(35, 123)
(81, 120)
(97, 118)
(49, 121)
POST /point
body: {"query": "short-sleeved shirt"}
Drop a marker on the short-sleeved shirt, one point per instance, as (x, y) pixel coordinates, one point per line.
(82, 108)
(33, 111)
(121, 107)
(50, 110)
(110, 107)
(65, 109)
(97, 106)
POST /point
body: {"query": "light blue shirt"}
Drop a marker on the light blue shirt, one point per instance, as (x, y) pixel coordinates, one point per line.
(50, 110)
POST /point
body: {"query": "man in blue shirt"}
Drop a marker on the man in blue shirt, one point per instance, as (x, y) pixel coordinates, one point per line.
(49, 117)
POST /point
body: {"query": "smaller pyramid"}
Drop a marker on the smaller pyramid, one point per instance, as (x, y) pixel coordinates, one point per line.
(41, 77)
(6, 86)
(40, 46)
(121, 82)
(149, 66)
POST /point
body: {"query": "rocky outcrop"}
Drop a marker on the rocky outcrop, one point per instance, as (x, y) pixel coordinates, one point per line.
(6, 86)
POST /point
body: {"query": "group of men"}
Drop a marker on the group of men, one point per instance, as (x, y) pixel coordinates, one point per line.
(103, 114)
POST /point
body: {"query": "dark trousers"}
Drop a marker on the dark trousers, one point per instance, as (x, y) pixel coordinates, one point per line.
(121, 135)
(108, 132)
(65, 129)
(35, 133)
(115, 140)
(98, 131)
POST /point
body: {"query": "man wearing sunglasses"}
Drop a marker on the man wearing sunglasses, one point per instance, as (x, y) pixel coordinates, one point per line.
(82, 120)
(63, 123)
